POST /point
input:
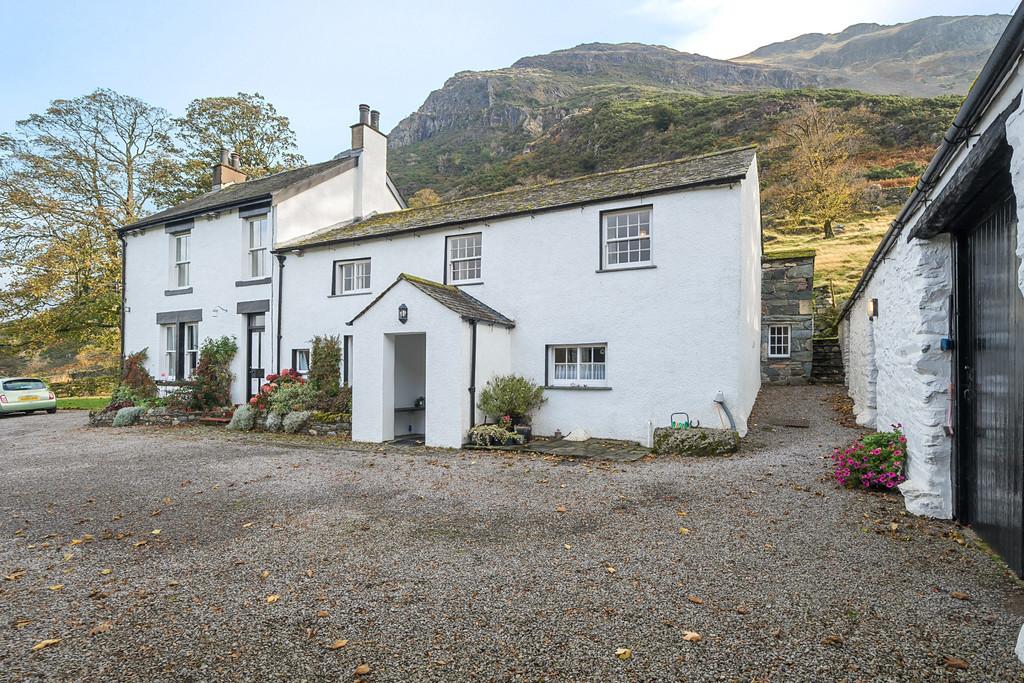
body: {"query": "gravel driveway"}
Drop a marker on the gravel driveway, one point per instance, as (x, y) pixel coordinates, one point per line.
(448, 566)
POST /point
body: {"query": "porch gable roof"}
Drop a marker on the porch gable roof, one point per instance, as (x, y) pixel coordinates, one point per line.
(454, 299)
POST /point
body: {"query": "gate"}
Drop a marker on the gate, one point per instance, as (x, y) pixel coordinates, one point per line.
(990, 380)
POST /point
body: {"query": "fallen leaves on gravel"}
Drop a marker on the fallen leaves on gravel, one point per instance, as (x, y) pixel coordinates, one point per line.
(695, 600)
(683, 530)
(341, 642)
(101, 627)
(832, 640)
(959, 595)
(155, 532)
(45, 643)
(691, 636)
(568, 546)
(15, 575)
(56, 586)
(22, 623)
(560, 508)
(247, 525)
(323, 613)
(610, 569)
(623, 653)
(139, 544)
(954, 662)
(106, 571)
(362, 670)
(271, 599)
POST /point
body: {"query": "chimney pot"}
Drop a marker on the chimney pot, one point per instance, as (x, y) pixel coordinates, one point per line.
(364, 114)
(225, 156)
(374, 119)
(236, 161)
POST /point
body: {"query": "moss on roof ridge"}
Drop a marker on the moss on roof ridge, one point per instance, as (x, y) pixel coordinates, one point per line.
(429, 283)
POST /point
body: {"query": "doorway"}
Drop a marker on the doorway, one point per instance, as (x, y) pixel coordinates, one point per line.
(255, 353)
(410, 386)
(990, 378)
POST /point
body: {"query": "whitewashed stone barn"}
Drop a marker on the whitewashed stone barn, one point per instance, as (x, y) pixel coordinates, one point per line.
(933, 335)
(628, 295)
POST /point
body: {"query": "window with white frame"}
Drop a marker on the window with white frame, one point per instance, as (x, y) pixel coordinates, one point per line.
(464, 258)
(582, 365)
(627, 238)
(300, 361)
(259, 247)
(779, 341)
(179, 350)
(182, 260)
(352, 277)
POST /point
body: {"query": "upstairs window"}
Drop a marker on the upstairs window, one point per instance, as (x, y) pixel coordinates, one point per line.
(182, 260)
(627, 238)
(578, 365)
(351, 277)
(464, 258)
(259, 247)
(779, 341)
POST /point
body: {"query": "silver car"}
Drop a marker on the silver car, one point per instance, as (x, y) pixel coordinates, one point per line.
(25, 395)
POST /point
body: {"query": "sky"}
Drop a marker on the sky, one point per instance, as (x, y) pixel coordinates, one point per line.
(316, 61)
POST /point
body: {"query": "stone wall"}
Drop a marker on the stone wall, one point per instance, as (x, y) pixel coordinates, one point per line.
(828, 361)
(787, 298)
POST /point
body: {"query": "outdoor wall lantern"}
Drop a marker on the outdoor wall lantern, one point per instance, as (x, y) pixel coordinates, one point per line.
(872, 309)
(403, 314)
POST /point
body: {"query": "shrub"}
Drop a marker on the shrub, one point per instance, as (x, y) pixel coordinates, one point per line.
(274, 382)
(493, 435)
(294, 422)
(128, 416)
(339, 402)
(510, 395)
(325, 364)
(210, 385)
(244, 418)
(289, 397)
(330, 418)
(875, 461)
(136, 378)
(274, 422)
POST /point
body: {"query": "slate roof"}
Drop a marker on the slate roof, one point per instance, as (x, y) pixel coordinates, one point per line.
(716, 168)
(452, 298)
(240, 193)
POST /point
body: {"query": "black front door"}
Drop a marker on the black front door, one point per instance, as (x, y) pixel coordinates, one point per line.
(255, 352)
(990, 360)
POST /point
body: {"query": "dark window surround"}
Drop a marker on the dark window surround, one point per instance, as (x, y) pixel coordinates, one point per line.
(445, 262)
(179, 351)
(178, 228)
(295, 358)
(176, 292)
(547, 368)
(257, 306)
(194, 315)
(346, 349)
(250, 283)
(601, 267)
(334, 276)
(253, 210)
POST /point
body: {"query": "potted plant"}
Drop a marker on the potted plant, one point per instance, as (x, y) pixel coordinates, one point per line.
(511, 399)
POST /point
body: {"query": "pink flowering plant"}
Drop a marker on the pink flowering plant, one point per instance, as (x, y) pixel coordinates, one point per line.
(877, 461)
(274, 381)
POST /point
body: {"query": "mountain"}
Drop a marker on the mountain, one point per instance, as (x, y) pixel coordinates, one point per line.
(930, 56)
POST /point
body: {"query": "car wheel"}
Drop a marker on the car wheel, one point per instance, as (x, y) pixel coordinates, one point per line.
(51, 411)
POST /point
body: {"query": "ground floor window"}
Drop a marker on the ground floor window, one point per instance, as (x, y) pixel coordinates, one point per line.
(779, 341)
(179, 354)
(582, 365)
(300, 361)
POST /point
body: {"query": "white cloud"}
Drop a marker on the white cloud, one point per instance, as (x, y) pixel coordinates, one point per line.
(730, 28)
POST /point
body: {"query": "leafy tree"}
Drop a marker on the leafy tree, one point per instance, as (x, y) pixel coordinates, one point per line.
(424, 197)
(68, 177)
(246, 123)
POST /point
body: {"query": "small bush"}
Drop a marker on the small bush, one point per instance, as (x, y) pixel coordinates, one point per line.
(126, 417)
(274, 382)
(510, 395)
(338, 402)
(210, 385)
(325, 364)
(294, 422)
(274, 422)
(493, 435)
(291, 397)
(876, 461)
(330, 418)
(244, 418)
(136, 377)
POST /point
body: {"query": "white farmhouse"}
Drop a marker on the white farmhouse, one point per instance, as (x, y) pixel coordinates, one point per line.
(628, 295)
(933, 335)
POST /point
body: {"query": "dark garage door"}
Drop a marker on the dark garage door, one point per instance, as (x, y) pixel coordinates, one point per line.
(990, 443)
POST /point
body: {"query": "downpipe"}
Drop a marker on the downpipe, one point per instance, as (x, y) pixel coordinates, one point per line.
(720, 400)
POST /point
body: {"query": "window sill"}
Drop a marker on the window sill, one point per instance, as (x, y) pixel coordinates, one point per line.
(338, 296)
(176, 292)
(558, 387)
(779, 357)
(468, 283)
(616, 270)
(250, 283)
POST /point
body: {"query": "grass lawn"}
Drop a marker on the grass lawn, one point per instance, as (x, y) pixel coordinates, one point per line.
(83, 402)
(841, 259)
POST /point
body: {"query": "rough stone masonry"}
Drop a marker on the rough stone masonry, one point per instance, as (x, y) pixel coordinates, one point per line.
(787, 298)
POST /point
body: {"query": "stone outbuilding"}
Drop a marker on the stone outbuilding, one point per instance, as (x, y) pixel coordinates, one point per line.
(787, 317)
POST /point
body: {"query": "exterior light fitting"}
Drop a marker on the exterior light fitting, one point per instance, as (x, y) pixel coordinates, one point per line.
(403, 314)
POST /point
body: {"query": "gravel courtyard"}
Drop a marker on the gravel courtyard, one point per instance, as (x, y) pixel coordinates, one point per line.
(199, 555)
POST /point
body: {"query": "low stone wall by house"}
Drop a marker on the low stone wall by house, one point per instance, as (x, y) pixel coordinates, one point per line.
(828, 361)
(168, 417)
(328, 429)
(787, 298)
(696, 441)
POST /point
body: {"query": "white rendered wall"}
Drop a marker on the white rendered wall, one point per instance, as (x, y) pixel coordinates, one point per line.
(493, 358)
(677, 333)
(218, 249)
(895, 371)
(330, 202)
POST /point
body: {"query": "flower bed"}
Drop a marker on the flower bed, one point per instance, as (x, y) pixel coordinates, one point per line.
(162, 415)
(876, 461)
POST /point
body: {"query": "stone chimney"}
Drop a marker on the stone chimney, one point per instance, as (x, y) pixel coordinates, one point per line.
(371, 188)
(375, 119)
(229, 170)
